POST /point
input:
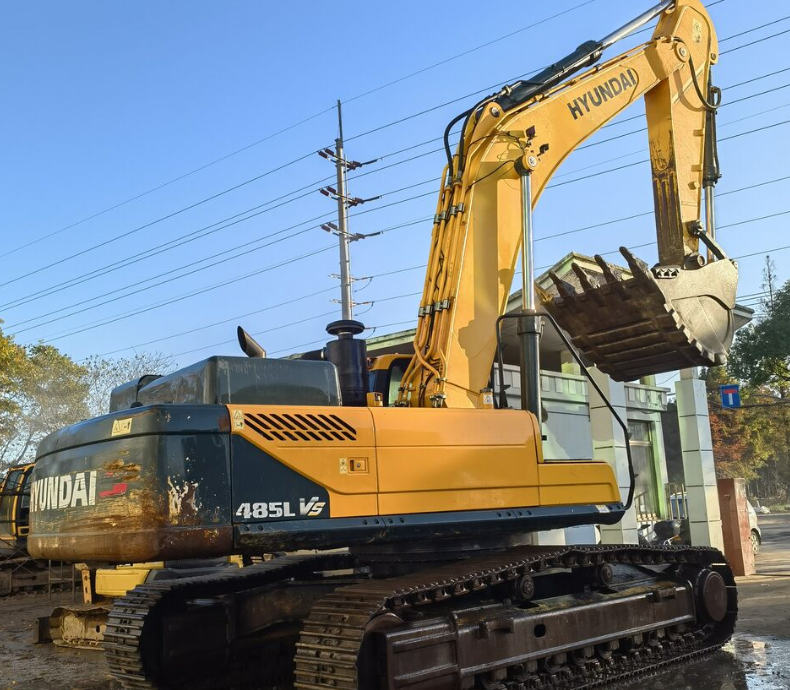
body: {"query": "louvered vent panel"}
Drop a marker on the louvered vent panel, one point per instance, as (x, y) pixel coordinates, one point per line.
(301, 427)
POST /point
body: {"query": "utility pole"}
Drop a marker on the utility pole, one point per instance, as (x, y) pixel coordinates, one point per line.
(344, 202)
(346, 301)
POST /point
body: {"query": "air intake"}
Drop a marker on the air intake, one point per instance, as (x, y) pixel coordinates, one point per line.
(301, 427)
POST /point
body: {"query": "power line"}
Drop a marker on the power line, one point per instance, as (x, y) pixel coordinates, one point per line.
(239, 317)
(138, 289)
(759, 40)
(204, 327)
(727, 103)
(741, 134)
(647, 160)
(128, 233)
(755, 28)
(167, 183)
(279, 132)
(179, 241)
(487, 90)
(195, 234)
(293, 323)
(248, 250)
(256, 335)
(729, 123)
(469, 51)
(720, 227)
(372, 329)
(747, 221)
(650, 213)
(180, 298)
(249, 181)
(185, 239)
(134, 312)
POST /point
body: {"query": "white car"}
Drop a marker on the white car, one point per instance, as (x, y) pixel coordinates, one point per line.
(678, 505)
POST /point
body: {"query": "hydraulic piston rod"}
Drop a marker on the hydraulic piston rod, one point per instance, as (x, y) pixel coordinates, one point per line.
(529, 323)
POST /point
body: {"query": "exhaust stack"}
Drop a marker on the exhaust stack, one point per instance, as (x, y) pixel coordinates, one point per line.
(249, 345)
(351, 359)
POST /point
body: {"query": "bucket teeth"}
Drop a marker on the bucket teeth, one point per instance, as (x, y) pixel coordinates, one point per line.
(588, 284)
(638, 267)
(608, 273)
(564, 288)
(659, 320)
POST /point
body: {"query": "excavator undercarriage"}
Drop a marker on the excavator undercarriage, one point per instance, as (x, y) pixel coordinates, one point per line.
(530, 618)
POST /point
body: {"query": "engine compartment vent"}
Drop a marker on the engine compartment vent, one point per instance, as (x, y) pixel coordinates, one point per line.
(289, 426)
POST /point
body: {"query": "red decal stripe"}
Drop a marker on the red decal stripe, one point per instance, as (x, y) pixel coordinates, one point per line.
(116, 490)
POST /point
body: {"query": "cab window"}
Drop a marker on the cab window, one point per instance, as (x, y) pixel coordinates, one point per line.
(397, 370)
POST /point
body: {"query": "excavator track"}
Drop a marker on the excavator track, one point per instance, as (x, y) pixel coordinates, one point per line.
(135, 657)
(343, 643)
(331, 652)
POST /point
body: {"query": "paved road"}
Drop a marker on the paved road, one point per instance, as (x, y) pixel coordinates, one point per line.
(758, 658)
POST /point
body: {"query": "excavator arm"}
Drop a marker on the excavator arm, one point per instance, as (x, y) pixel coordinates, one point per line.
(676, 315)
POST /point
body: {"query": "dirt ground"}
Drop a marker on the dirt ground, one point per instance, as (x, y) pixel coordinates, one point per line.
(757, 659)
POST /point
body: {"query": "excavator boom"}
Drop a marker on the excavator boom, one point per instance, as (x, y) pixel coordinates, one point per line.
(675, 315)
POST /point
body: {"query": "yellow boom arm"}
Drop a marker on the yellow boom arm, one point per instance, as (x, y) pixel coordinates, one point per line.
(476, 236)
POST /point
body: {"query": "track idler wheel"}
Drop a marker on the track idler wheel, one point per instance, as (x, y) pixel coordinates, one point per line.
(711, 595)
(658, 320)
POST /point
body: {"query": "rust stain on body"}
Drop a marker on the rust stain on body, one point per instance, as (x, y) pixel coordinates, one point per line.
(122, 471)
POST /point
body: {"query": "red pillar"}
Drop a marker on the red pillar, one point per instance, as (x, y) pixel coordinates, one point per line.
(735, 526)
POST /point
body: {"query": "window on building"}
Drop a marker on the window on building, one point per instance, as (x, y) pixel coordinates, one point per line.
(646, 489)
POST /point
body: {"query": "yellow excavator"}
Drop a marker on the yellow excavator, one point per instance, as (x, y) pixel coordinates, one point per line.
(19, 572)
(420, 504)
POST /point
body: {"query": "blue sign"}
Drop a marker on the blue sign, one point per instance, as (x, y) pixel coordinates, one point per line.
(730, 396)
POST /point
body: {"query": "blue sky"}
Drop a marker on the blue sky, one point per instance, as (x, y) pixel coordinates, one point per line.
(105, 101)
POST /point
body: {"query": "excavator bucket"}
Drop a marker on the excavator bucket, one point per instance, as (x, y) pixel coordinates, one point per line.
(658, 320)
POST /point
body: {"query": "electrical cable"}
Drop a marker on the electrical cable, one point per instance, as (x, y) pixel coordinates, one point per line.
(286, 129)
(755, 42)
(178, 242)
(413, 222)
(741, 134)
(165, 184)
(239, 317)
(275, 329)
(180, 298)
(245, 182)
(139, 228)
(136, 287)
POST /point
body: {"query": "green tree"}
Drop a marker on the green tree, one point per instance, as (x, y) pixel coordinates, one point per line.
(13, 361)
(105, 374)
(48, 391)
(742, 439)
(760, 355)
(755, 440)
